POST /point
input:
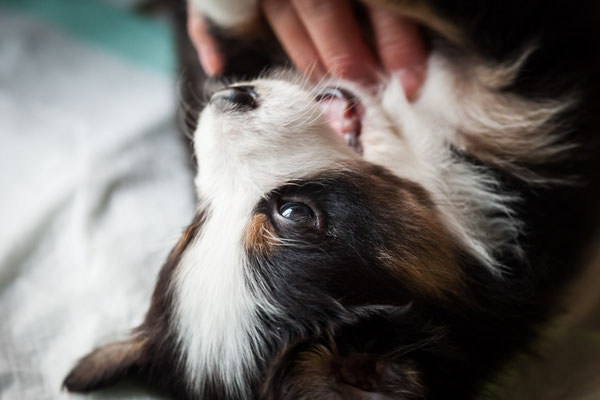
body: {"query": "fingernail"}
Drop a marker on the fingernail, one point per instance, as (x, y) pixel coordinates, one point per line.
(210, 61)
(412, 80)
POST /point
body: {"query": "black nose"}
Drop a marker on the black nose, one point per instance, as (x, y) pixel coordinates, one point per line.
(239, 98)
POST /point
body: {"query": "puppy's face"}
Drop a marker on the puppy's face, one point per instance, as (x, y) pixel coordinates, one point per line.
(334, 231)
(300, 232)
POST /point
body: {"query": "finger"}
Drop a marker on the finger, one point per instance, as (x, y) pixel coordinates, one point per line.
(209, 54)
(336, 35)
(400, 47)
(293, 37)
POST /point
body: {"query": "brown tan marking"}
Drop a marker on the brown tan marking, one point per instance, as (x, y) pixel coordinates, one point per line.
(322, 372)
(188, 235)
(430, 262)
(260, 234)
(422, 250)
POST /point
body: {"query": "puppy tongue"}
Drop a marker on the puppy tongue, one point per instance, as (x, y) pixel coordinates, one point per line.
(343, 114)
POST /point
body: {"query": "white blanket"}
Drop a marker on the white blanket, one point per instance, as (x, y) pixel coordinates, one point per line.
(95, 190)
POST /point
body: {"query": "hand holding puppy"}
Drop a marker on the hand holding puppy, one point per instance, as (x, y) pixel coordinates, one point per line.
(323, 37)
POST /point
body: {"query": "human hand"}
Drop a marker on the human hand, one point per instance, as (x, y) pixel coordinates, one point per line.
(323, 37)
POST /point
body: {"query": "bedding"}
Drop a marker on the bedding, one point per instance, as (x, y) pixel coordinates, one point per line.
(95, 185)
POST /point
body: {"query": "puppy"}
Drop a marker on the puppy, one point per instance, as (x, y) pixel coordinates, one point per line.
(352, 245)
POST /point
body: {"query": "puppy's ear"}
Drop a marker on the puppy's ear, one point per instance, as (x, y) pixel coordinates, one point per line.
(106, 365)
(323, 372)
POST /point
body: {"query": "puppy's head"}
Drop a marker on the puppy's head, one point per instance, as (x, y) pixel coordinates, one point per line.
(333, 235)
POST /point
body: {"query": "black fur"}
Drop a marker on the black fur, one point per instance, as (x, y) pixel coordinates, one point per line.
(499, 317)
(386, 336)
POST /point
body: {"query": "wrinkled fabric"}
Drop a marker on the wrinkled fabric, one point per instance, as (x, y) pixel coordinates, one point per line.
(95, 189)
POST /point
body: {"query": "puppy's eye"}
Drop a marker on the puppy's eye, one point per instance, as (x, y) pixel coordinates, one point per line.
(298, 213)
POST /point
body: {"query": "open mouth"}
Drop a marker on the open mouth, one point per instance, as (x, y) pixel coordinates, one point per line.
(344, 112)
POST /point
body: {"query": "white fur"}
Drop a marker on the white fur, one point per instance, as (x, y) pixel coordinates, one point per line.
(464, 195)
(244, 155)
(241, 158)
(228, 13)
(456, 103)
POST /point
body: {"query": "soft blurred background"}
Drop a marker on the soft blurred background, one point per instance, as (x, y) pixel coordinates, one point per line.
(94, 176)
(96, 186)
